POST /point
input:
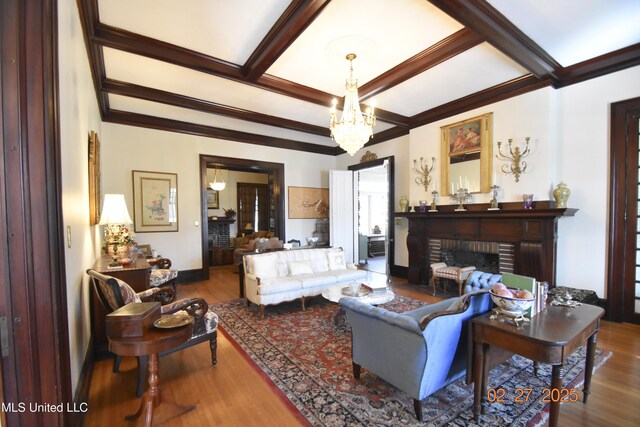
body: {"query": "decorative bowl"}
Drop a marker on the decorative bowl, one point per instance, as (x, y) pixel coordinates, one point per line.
(312, 241)
(511, 304)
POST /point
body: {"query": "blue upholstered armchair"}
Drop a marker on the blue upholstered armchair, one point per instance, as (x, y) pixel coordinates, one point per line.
(419, 351)
(481, 280)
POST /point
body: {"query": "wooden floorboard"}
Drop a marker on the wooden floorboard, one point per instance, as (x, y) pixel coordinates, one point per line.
(233, 393)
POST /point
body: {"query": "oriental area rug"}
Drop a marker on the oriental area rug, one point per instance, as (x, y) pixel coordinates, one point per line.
(307, 357)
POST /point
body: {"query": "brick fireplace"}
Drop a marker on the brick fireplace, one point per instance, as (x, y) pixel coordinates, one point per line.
(512, 239)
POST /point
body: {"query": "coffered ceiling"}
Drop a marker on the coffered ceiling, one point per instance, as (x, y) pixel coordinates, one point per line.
(265, 71)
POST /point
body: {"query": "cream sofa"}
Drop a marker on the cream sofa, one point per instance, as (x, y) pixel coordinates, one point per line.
(275, 277)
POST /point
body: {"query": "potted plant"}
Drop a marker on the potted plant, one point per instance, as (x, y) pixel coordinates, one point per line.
(230, 213)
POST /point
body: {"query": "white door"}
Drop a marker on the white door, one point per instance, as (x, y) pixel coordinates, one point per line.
(342, 212)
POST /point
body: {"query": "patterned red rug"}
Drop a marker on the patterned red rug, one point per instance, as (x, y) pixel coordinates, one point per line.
(308, 358)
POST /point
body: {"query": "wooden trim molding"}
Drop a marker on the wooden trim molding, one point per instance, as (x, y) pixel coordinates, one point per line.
(295, 19)
(33, 294)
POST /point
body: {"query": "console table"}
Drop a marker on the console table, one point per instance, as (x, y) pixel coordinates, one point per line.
(533, 232)
(550, 337)
(136, 275)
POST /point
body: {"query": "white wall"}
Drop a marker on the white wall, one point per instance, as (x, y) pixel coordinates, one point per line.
(78, 116)
(127, 148)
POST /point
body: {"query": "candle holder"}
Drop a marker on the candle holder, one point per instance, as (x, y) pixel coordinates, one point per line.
(461, 197)
(517, 166)
(434, 206)
(424, 170)
(494, 198)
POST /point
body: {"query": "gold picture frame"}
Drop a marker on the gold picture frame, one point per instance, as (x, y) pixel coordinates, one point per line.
(308, 202)
(468, 140)
(155, 201)
(94, 178)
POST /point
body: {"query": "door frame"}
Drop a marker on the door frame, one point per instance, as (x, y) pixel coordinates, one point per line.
(390, 204)
(622, 211)
(276, 170)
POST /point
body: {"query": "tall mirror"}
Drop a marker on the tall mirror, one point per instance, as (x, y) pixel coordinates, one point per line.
(466, 155)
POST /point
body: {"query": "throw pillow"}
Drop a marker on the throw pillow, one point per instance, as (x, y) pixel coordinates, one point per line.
(127, 292)
(336, 260)
(264, 265)
(300, 267)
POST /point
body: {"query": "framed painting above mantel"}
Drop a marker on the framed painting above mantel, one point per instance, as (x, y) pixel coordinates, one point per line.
(155, 201)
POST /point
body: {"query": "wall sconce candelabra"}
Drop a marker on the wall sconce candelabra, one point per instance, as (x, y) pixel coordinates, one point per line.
(517, 166)
(424, 171)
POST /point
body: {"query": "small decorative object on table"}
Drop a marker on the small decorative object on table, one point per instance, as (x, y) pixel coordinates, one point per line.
(230, 213)
(511, 303)
(261, 244)
(527, 201)
(561, 194)
(493, 204)
(312, 241)
(423, 205)
(461, 197)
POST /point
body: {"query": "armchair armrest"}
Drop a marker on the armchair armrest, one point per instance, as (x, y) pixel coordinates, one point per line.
(196, 307)
(162, 295)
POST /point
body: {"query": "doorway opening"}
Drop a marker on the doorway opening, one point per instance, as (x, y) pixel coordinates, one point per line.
(373, 227)
(241, 168)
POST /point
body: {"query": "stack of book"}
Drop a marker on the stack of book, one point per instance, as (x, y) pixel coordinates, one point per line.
(375, 288)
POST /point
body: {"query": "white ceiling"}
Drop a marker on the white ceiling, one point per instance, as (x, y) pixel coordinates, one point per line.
(194, 51)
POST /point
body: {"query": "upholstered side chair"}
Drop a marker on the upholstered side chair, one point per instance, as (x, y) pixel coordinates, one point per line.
(419, 351)
(114, 293)
(162, 274)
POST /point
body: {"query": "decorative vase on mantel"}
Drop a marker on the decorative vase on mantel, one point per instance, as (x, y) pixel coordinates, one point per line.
(404, 204)
(561, 195)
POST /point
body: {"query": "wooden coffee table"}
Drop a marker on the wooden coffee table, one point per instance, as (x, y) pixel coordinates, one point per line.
(550, 337)
(152, 342)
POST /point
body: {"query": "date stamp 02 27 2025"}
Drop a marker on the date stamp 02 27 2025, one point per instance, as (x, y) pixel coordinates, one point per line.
(521, 395)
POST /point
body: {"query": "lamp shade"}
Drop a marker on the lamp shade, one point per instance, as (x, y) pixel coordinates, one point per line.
(114, 210)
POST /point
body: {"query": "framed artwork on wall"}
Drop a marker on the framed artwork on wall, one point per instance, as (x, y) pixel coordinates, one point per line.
(155, 201)
(213, 201)
(308, 202)
(94, 178)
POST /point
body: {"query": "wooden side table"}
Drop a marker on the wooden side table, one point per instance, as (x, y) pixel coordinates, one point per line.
(550, 337)
(136, 275)
(152, 342)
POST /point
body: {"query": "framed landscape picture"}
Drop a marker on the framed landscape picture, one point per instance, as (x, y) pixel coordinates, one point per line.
(212, 199)
(308, 202)
(155, 201)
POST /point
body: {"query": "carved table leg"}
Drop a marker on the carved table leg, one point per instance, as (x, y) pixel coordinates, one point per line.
(478, 383)
(151, 396)
(591, 353)
(556, 384)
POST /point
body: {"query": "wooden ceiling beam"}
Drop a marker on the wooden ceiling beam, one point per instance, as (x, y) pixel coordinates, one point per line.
(295, 19)
(447, 48)
(481, 17)
(601, 65)
(500, 92)
(161, 123)
(177, 100)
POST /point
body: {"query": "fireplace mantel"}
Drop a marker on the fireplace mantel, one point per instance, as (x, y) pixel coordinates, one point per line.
(532, 231)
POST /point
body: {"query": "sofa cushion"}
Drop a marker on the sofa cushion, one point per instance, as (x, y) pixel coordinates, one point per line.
(336, 260)
(263, 265)
(300, 267)
(315, 280)
(276, 285)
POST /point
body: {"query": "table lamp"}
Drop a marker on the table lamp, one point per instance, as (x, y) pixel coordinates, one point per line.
(115, 217)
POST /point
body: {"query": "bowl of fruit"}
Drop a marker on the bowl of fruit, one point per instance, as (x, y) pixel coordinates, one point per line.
(512, 301)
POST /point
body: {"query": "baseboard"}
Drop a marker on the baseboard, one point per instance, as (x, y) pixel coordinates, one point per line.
(81, 396)
(188, 276)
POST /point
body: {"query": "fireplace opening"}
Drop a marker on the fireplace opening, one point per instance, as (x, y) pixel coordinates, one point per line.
(490, 257)
(489, 263)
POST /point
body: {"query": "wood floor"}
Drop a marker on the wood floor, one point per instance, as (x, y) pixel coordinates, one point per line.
(233, 393)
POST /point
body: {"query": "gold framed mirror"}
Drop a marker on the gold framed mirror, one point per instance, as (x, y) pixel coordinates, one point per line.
(467, 155)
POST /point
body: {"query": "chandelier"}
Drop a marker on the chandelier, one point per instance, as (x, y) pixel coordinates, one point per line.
(217, 185)
(353, 129)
